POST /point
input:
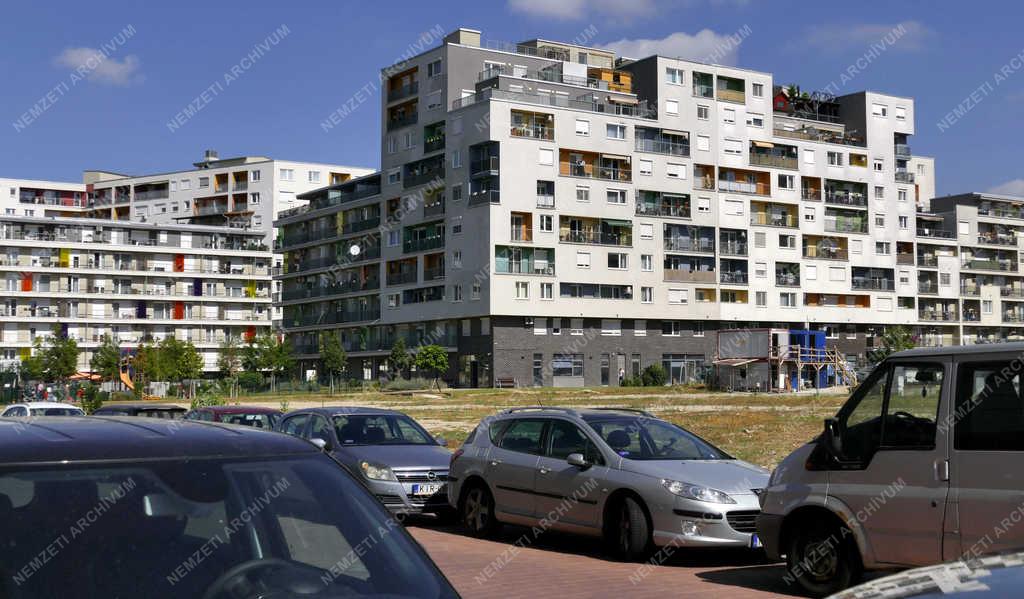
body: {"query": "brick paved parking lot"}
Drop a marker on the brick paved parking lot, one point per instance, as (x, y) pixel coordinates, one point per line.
(570, 567)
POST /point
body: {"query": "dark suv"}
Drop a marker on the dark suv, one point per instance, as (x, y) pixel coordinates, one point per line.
(131, 507)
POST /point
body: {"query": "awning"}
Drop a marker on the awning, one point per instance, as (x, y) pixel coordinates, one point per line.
(763, 144)
(615, 156)
(735, 361)
(615, 222)
(621, 100)
(674, 132)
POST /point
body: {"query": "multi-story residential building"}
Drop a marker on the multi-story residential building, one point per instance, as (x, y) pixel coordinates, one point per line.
(554, 214)
(25, 197)
(136, 282)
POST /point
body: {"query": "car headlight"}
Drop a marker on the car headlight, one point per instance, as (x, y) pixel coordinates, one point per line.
(696, 492)
(377, 472)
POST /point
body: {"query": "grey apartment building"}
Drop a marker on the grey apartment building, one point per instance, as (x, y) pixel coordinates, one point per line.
(555, 214)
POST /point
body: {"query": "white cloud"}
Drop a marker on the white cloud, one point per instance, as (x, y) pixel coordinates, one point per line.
(580, 9)
(908, 35)
(703, 46)
(92, 63)
(1010, 188)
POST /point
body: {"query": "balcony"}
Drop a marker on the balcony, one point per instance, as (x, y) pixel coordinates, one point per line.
(402, 277)
(610, 167)
(484, 196)
(358, 226)
(932, 315)
(524, 261)
(905, 259)
(1001, 210)
(591, 103)
(846, 198)
(845, 224)
(731, 89)
(1002, 264)
(873, 284)
(824, 252)
(433, 273)
(1011, 292)
(545, 200)
(661, 141)
(403, 120)
(734, 278)
(433, 138)
(423, 243)
(532, 125)
(787, 279)
(731, 248)
(673, 275)
(810, 194)
(357, 285)
(935, 233)
(747, 182)
(773, 155)
(902, 151)
(435, 209)
(998, 238)
(521, 234)
(423, 171)
(595, 237)
(649, 203)
(773, 215)
(691, 244)
(904, 176)
(487, 166)
(398, 93)
(970, 289)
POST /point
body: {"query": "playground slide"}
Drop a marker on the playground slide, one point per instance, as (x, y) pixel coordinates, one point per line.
(127, 380)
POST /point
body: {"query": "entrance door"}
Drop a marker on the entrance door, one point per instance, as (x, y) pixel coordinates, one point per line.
(896, 488)
(988, 447)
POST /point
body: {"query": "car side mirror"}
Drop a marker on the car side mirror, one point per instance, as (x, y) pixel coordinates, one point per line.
(442, 441)
(577, 460)
(832, 439)
(321, 443)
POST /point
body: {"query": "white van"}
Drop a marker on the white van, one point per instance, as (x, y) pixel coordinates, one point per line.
(923, 464)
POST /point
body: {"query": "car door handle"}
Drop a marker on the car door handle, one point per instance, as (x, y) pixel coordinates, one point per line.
(495, 462)
(543, 470)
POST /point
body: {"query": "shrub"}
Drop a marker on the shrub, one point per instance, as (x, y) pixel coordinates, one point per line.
(91, 399)
(413, 384)
(204, 399)
(633, 381)
(654, 376)
(250, 381)
(122, 396)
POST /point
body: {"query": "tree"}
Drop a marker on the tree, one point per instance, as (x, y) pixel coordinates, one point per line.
(268, 352)
(654, 376)
(32, 365)
(399, 360)
(60, 357)
(229, 362)
(894, 339)
(106, 361)
(179, 360)
(146, 367)
(432, 358)
(333, 356)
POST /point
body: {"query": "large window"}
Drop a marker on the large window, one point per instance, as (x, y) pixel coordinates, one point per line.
(567, 365)
(989, 414)
(523, 436)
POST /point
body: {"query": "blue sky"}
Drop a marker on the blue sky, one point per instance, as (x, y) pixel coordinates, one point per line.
(114, 113)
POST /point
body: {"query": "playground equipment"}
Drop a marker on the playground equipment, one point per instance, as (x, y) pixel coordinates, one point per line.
(126, 373)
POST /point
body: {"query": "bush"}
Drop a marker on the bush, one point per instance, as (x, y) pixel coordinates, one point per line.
(204, 399)
(633, 381)
(412, 384)
(250, 381)
(91, 398)
(654, 376)
(122, 396)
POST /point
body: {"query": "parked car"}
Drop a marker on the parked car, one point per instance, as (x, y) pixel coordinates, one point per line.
(399, 461)
(624, 475)
(41, 408)
(255, 416)
(147, 409)
(987, 577)
(921, 464)
(102, 507)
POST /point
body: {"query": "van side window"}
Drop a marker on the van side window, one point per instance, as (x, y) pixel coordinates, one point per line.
(913, 406)
(863, 426)
(989, 413)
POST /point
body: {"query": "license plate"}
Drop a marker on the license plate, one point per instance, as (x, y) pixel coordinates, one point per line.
(428, 489)
(755, 542)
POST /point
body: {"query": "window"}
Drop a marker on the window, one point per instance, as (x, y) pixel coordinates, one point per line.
(810, 214)
(759, 239)
(434, 68)
(836, 273)
(576, 326)
(618, 261)
(901, 113)
(944, 279)
(582, 127)
(733, 146)
(787, 299)
(523, 436)
(646, 167)
(675, 170)
(757, 90)
(703, 112)
(787, 181)
(205, 181)
(646, 231)
(614, 131)
(540, 326)
(313, 176)
(835, 159)
(703, 204)
(547, 291)
(522, 290)
(879, 192)
(546, 223)
(457, 259)
(704, 143)
(879, 110)
(986, 306)
(760, 270)
(733, 207)
(475, 293)
(678, 296)
(670, 328)
(456, 293)
(392, 300)
(639, 328)
(808, 156)
(457, 158)
(646, 295)
(434, 100)
(904, 222)
(989, 407)
(698, 328)
(611, 327)
(811, 273)
(457, 125)
(583, 259)
(568, 364)
(565, 438)
(855, 246)
(729, 116)
(394, 238)
(254, 198)
(920, 169)
(647, 262)
(545, 156)
(672, 107)
(878, 165)
(287, 174)
(391, 144)
(457, 192)
(394, 175)
(787, 241)
(582, 193)
(883, 248)
(880, 221)
(901, 195)
(616, 196)
(755, 119)
(186, 184)
(673, 76)
(761, 298)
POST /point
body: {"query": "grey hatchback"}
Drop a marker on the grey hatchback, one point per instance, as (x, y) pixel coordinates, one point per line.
(625, 475)
(399, 461)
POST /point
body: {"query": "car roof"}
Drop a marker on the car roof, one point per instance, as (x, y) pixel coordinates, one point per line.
(1015, 347)
(526, 411)
(45, 404)
(89, 438)
(141, 406)
(240, 409)
(346, 411)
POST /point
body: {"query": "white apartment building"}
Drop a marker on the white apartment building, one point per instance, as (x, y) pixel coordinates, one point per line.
(136, 282)
(554, 214)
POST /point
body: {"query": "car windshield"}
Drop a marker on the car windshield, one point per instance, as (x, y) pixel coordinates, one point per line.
(645, 438)
(56, 412)
(380, 429)
(255, 420)
(215, 528)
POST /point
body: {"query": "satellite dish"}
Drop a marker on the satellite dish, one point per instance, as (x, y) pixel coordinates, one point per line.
(354, 250)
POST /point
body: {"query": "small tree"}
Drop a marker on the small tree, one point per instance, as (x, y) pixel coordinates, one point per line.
(60, 358)
(399, 360)
(180, 360)
(273, 354)
(229, 362)
(32, 365)
(432, 358)
(91, 399)
(106, 361)
(333, 356)
(894, 339)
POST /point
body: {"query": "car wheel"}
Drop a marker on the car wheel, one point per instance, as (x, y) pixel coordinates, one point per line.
(478, 512)
(822, 557)
(628, 534)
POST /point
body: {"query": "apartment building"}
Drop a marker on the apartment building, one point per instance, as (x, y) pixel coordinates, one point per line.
(136, 282)
(556, 215)
(26, 197)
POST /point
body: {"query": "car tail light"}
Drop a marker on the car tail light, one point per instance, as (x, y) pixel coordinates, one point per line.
(455, 455)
